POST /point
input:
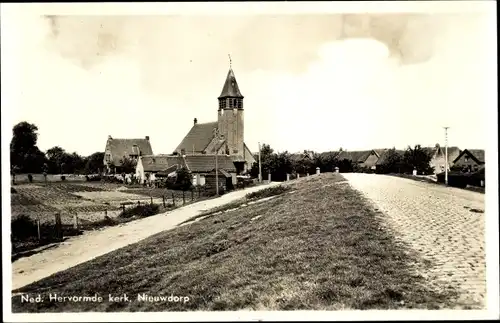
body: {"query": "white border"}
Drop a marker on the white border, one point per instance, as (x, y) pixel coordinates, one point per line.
(10, 82)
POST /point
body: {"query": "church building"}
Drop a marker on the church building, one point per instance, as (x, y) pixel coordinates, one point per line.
(224, 136)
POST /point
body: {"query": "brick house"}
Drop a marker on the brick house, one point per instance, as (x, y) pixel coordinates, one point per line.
(118, 148)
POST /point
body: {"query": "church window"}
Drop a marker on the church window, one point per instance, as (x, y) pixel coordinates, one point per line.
(235, 151)
(231, 103)
(239, 103)
(108, 157)
(221, 104)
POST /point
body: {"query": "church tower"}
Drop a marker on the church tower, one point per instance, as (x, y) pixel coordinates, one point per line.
(230, 116)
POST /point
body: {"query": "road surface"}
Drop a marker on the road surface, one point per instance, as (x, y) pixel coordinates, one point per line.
(444, 225)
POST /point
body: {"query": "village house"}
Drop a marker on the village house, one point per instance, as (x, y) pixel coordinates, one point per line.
(151, 167)
(470, 160)
(117, 149)
(385, 154)
(369, 159)
(438, 160)
(359, 157)
(203, 169)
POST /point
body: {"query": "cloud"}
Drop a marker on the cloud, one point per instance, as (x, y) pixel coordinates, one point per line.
(304, 87)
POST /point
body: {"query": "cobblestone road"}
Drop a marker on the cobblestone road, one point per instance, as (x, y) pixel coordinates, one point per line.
(445, 225)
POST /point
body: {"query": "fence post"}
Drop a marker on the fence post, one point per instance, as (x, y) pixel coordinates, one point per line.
(164, 200)
(58, 226)
(138, 202)
(173, 198)
(38, 228)
(151, 200)
(105, 213)
(75, 221)
(199, 189)
(123, 208)
(192, 195)
(183, 197)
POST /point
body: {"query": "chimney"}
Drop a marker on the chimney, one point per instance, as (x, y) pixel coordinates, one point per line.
(195, 121)
(147, 137)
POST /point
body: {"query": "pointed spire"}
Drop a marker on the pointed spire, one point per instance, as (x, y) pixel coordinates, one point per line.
(230, 89)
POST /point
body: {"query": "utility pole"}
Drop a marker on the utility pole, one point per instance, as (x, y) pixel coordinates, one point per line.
(216, 136)
(260, 167)
(446, 155)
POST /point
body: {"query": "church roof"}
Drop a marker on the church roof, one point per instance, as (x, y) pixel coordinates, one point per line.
(230, 89)
(198, 138)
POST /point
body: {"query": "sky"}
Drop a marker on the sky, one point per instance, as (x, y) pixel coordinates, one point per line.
(310, 81)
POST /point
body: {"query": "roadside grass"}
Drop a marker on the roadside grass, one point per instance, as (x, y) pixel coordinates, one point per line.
(254, 196)
(316, 249)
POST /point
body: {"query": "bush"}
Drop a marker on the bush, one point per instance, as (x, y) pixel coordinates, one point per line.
(93, 178)
(268, 192)
(140, 211)
(23, 227)
(13, 190)
(30, 178)
(63, 178)
(455, 179)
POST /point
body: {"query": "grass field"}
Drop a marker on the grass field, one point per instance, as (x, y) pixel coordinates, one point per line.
(91, 201)
(318, 245)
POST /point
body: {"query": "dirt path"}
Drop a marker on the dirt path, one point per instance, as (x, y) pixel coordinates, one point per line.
(444, 224)
(93, 244)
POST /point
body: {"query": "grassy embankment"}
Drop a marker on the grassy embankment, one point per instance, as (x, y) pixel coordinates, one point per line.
(318, 245)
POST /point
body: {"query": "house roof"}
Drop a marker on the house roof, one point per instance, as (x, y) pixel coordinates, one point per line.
(220, 172)
(355, 156)
(200, 135)
(329, 154)
(159, 163)
(206, 163)
(476, 154)
(214, 145)
(383, 156)
(169, 170)
(230, 89)
(125, 147)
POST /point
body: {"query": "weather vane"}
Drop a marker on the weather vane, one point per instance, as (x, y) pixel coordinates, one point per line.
(230, 61)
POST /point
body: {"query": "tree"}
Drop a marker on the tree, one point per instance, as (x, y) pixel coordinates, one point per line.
(56, 158)
(392, 162)
(281, 166)
(183, 179)
(127, 165)
(419, 159)
(267, 159)
(95, 163)
(24, 152)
